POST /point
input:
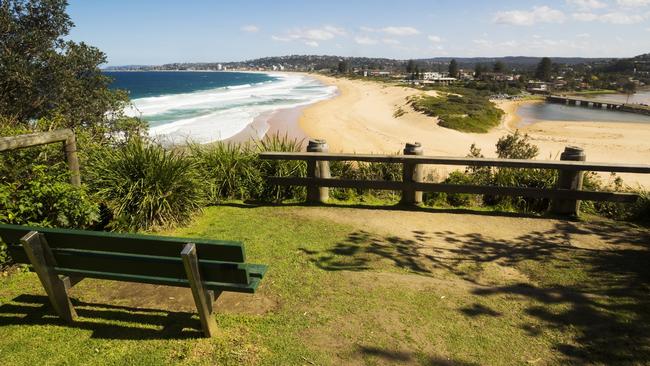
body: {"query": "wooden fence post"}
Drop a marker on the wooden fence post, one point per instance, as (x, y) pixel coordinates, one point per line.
(317, 169)
(569, 179)
(70, 151)
(412, 172)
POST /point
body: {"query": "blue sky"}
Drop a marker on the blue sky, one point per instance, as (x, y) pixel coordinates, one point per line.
(162, 31)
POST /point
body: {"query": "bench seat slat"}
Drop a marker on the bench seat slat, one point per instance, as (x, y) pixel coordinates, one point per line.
(215, 271)
(256, 277)
(226, 251)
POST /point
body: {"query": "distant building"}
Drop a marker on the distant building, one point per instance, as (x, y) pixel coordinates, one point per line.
(538, 87)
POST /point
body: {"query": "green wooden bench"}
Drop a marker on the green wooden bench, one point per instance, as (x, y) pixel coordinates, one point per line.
(62, 258)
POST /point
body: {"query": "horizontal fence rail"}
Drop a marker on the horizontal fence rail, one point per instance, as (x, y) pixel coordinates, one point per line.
(479, 162)
(66, 136)
(565, 197)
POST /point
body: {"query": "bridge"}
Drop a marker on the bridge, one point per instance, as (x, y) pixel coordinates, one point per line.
(599, 104)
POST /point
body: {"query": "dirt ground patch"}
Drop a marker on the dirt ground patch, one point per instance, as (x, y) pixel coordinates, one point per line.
(145, 296)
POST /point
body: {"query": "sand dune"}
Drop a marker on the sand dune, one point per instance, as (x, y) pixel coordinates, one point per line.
(361, 119)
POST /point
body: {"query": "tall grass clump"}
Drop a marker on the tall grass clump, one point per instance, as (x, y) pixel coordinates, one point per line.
(235, 171)
(228, 170)
(638, 211)
(365, 171)
(279, 168)
(144, 186)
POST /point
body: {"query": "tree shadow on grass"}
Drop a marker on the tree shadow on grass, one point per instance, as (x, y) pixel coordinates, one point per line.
(105, 321)
(401, 357)
(599, 296)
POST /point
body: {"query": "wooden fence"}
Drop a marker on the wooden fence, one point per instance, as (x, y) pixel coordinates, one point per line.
(565, 197)
(66, 136)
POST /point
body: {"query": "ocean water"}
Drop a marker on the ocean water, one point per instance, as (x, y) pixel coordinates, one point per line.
(210, 106)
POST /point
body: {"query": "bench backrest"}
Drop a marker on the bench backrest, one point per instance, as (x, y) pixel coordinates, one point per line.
(144, 258)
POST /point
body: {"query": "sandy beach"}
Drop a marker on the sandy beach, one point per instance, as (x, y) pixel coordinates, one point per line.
(361, 119)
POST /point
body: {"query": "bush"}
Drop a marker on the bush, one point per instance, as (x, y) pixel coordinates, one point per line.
(278, 168)
(234, 171)
(46, 199)
(453, 199)
(144, 186)
(365, 171)
(228, 170)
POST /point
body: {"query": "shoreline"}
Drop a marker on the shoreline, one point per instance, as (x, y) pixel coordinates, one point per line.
(361, 120)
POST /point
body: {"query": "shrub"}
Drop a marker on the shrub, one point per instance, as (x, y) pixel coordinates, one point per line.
(145, 186)
(279, 168)
(365, 171)
(228, 170)
(46, 199)
(456, 199)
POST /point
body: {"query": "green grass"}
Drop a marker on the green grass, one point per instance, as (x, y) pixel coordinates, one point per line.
(345, 294)
(466, 110)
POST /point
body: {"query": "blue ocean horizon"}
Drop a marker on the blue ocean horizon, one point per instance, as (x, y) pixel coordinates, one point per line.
(205, 106)
(143, 84)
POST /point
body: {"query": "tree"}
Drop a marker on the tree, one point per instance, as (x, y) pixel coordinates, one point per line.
(629, 88)
(42, 75)
(342, 67)
(499, 66)
(479, 69)
(410, 66)
(544, 69)
(453, 68)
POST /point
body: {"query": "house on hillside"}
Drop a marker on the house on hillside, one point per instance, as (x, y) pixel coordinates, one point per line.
(538, 87)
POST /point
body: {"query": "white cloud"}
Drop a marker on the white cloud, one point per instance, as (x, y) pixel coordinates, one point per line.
(585, 17)
(539, 14)
(250, 28)
(400, 31)
(434, 38)
(583, 35)
(633, 3)
(365, 40)
(611, 17)
(310, 36)
(391, 41)
(621, 18)
(587, 4)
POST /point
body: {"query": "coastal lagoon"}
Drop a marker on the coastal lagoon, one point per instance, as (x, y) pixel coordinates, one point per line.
(211, 106)
(535, 112)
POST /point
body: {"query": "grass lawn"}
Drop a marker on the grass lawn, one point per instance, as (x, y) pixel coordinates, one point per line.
(367, 286)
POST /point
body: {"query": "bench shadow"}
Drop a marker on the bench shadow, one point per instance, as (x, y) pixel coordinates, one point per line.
(105, 321)
(605, 308)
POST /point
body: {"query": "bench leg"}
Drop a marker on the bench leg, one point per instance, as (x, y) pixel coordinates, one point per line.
(42, 260)
(202, 297)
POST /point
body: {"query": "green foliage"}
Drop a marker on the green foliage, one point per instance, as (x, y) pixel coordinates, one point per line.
(228, 170)
(279, 168)
(42, 75)
(46, 199)
(544, 69)
(145, 186)
(454, 199)
(234, 171)
(453, 68)
(365, 171)
(470, 112)
(516, 146)
(638, 211)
